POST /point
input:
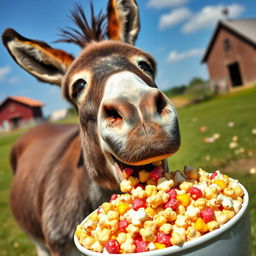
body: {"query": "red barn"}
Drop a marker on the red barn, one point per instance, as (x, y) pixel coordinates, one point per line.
(17, 110)
(231, 54)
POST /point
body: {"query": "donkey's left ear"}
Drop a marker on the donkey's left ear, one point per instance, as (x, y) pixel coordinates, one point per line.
(38, 58)
(123, 20)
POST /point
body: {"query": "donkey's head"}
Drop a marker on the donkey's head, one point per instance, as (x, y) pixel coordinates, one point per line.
(125, 120)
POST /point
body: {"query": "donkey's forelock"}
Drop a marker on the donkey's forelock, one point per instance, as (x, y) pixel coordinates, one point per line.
(88, 32)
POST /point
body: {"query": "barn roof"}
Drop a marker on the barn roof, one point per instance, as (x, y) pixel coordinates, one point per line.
(243, 28)
(24, 100)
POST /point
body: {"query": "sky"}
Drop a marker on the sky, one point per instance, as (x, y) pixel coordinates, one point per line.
(175, 32)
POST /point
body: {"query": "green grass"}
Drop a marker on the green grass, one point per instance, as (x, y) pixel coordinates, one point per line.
(239, 108)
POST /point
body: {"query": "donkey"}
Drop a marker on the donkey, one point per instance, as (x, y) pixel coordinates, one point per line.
(63, 172)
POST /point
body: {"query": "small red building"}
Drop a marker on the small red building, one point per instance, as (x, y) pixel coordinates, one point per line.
(231, 54)
(17, 110)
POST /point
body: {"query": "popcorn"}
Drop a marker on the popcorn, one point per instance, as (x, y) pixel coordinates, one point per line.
(143, 176)
(139, 193)
(192, 233)
(178, 239)
(182, 221)
(166, 228)
(128, 246)
(164, 184)
(148, 234)
(150, 190)
(126, 186)
(226, 202)
(192, 212)
(159, 210)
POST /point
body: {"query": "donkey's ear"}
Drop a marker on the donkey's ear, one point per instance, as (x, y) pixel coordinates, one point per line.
(123, 20)
(36, 57)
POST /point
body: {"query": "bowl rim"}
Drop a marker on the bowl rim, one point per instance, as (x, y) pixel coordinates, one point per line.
(174, 248)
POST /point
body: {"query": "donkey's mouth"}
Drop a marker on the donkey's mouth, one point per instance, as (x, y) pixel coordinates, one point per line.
(147, 165)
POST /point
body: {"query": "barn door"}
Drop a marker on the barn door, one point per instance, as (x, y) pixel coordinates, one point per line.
(235, 74)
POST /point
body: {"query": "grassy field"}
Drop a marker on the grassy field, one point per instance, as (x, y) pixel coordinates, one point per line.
(238, 109)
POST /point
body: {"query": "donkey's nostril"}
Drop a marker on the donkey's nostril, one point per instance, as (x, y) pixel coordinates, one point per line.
(112, 114)
(160, 103)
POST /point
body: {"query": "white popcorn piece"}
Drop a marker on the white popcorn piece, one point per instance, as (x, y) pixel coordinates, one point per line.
(136, 217)
(164, 184)
(237, 205)
(192, 212)
(139, 193)
(151, 246)
(226, 201)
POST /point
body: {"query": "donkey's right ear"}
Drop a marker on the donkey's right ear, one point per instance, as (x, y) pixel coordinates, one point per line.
(123, 20)
(36, 57)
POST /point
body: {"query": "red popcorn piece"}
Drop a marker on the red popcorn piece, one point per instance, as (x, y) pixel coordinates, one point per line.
(137, 239)
(207, 215)
(172, 203)
(113, 197)
(162, 238)
(213, 175)
(122, 225)
(195, 193)
(138, 203)
(172, 194)
(128, 172)
(141, 246)
(112, 246)
(156, 173)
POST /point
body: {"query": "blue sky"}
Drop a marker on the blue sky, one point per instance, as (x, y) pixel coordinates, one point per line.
(175, 32)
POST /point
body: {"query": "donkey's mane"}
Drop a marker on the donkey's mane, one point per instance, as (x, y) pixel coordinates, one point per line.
(95, 31)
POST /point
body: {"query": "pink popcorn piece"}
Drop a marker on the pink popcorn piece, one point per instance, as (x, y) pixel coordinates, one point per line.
(207, 215)
(213, 175)
(172, 203)
(162, 238)
(113, 197)
(141, 246)
(172, 194)
(122, 225)
(128, 172)
(138, 203)
(195, 193)
(99, 210)
(112, 246)
(156, 173)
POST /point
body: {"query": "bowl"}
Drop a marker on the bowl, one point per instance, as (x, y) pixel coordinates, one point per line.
(231, 239)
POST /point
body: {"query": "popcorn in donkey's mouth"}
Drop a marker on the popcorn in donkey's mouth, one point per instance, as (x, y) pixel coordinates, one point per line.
(158, 210)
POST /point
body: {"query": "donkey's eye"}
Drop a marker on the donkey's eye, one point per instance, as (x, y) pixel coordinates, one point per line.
(78, 86)
(145, 67)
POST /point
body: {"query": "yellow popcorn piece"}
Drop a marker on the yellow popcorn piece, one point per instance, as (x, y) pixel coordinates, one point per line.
(160, 246)
(103, 235)
(238, 191)
(143, 176)
(212, 225)
(134, 181)
(126, 186)
(122, 208)
(221, 183)
(157, 163)
(200, 225)
(150, 211)
(184, 199)
(107, 207)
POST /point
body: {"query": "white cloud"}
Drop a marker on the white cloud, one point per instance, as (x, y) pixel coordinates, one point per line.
(4, 71)
(13, 80)
(209, 15)
(158, 4)
(174, 17)
(175, 56)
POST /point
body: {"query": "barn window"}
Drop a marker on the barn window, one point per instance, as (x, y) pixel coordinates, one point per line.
(227, 45)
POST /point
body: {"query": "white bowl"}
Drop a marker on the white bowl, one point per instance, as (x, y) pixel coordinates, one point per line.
(231, 239)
